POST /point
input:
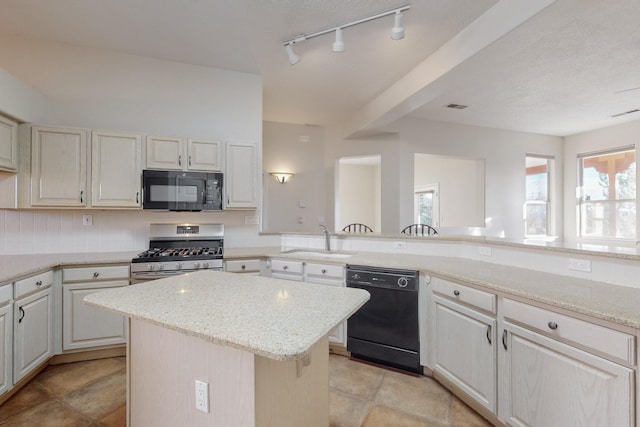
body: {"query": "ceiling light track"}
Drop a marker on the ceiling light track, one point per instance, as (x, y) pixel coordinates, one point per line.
(397, 32)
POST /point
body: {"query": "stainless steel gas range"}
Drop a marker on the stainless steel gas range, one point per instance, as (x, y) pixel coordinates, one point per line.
(177, 249)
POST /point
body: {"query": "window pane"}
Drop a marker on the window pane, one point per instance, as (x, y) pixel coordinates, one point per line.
(608, 203)
(536, 219)
(537, 201)
(425, 208)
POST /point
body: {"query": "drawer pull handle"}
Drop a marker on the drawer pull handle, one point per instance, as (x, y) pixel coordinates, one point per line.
(21, 315)
(95, 274)
(243, 266)
(39, 283)
(82, 197)
(489, 334)
(189, 160)
(138, 197)
(324, 271)
(180, 160)
(456, 292)
(504, 339)
(286, 267)
(552, 325)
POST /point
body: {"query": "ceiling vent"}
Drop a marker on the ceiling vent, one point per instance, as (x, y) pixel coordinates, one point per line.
(625, 113)
(457, 106)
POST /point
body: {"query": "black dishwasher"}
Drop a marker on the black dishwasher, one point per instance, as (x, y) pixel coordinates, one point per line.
(385, 329)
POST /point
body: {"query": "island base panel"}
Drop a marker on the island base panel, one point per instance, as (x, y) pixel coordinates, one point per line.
(244, 389)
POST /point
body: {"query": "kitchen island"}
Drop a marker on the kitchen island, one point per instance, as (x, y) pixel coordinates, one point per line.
(259, 344)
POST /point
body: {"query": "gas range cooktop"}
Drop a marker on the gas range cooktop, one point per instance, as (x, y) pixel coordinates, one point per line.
(179, 254)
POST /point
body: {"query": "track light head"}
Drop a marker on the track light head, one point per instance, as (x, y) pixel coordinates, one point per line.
(397, 32)
(293, 57)
(338, 45)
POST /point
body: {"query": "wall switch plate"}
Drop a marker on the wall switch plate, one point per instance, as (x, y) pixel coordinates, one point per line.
(302, 205)
(399, 245)
(580, 265)
(87, 220)
(484, 250)
(202, 396)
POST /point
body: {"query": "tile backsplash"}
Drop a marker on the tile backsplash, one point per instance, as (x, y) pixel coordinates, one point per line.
(62, 231)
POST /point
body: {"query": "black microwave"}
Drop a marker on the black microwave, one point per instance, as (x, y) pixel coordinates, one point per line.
(181, 191)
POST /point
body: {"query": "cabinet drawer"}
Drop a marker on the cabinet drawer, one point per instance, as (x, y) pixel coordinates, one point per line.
(286, 266)
(85, 274)
(33, 283)
(608, 341)
(242, 266)
(465, 294)
(324, 270)
(6, 293)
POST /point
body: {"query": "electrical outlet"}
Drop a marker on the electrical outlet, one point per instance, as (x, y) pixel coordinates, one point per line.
(87, 220)
(399, 245)
(202, 396)
(580, 265)
(484, 250)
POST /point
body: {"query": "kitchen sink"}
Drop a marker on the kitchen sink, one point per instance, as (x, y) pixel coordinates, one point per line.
(321, 254)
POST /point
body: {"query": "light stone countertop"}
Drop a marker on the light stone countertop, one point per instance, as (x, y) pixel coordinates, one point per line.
(278, 319)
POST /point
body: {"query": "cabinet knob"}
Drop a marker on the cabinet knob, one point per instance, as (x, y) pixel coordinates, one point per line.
(286, 267)
(243, 266)
(95, 274)
(324, 271)
(552, 325)
(456, 292)
(39, 283)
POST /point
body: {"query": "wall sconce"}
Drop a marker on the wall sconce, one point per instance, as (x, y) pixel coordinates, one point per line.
(281, 177)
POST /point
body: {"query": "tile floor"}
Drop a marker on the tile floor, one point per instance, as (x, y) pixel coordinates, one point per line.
(92, 394)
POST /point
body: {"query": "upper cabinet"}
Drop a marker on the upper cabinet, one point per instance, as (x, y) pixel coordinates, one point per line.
(8, 145)
(241, 175)
(180, 154)
(116, 167)
(58, 167)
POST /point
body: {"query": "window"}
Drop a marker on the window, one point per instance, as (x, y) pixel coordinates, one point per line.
(426, 205)
(607, 196)
(537, 201)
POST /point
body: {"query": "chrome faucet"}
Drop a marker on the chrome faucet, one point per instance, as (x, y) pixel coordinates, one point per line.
(327, 238)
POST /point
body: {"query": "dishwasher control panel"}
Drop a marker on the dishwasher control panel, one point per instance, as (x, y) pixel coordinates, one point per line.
(380, 277)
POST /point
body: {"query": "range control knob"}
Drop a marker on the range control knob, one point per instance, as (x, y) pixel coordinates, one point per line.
(179, 266)
(151, 267)
(403, 282)
(205, 265)
(196, 265)
(160, 266)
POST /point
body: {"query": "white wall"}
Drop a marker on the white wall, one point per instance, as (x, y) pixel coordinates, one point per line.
(602, 139)
(359, 195)
(80, 87)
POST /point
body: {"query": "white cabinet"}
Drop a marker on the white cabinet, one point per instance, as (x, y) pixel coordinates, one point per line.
(287, 269)
(548, 382)
(84, 326)
(8, 145)
(6, 338)
(244, 266)
(116, 168)
(241, 173)
(58, 167)
(332, 275)
(465, 340)
(172, 153)
(32, 323)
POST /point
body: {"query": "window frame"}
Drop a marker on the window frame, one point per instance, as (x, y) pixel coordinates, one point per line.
(549, 202)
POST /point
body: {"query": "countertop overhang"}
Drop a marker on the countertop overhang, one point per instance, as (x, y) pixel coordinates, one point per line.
(278, 319)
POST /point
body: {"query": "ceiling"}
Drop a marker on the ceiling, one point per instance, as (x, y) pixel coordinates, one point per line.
(566, 69)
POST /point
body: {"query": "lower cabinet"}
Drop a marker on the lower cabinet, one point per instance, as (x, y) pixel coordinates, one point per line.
(548, 382)
(287, 269)
(332, 275)
(33, 332)
(84, 326)
(244, 266)
(6, 341)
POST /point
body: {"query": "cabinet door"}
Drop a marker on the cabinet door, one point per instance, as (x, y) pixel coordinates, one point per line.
(58, 167)
(6, 347)
(32, 333)
(164, 153)
(204, 155)
(240, 175)
(465, 350)
(116, 167)
(8, 145)
(84, 326)
(551, 384)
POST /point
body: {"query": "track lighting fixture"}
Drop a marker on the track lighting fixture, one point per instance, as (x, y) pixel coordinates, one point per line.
(338, 45)
(397, 32)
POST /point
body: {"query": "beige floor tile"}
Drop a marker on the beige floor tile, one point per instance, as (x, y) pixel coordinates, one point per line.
(117, 418)
(420, 396)
(463, 416)
(101, 397)
(31, 395)
(356, 378)
(65, 378)
(346, 410)
(380, 416)
(49, 414)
